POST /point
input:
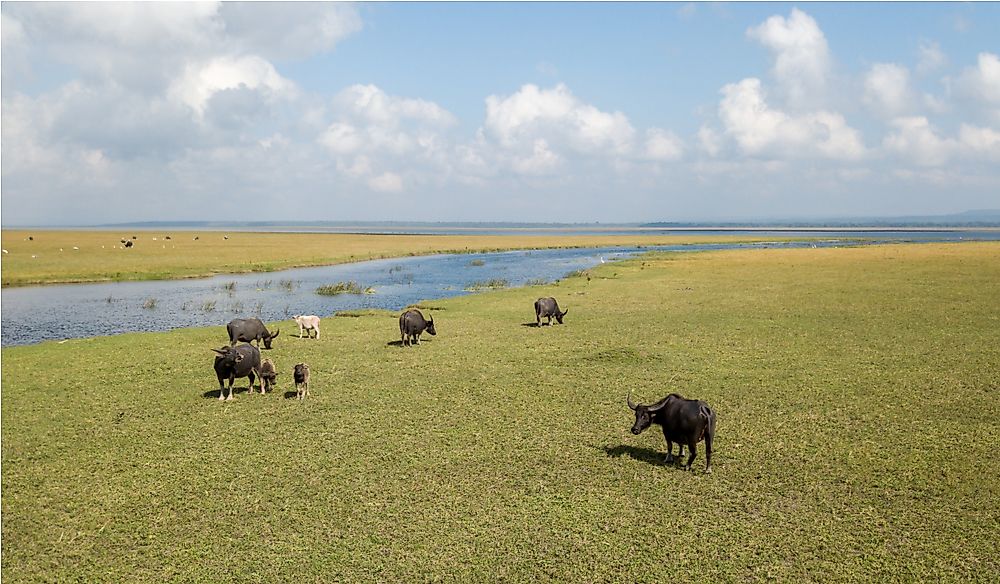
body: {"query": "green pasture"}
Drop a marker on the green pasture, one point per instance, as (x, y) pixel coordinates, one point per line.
(858, 430)
(49, 256)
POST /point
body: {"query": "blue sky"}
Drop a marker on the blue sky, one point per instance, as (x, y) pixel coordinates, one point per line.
(497, 111)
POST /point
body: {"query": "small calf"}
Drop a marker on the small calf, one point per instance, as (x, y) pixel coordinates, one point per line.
(268, 374)
(307, 323)
(301, 375)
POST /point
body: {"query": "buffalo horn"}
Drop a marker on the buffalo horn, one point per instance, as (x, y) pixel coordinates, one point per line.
(631, 404)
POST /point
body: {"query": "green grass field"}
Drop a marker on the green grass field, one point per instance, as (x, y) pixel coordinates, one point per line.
(49, 257)
(858, 430)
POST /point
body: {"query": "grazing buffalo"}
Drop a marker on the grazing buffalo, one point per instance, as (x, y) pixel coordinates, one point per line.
(235, 362)
(268, 375)
(411, 324)
(307, 323)
(301, 375)
(685, 421)
(548, 307)
(244, 330)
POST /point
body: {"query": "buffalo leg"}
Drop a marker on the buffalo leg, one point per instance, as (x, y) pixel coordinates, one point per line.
(708, 452)
(416, 336)
(230, 397)
(222, 389)
(670, 448)
(694, 453)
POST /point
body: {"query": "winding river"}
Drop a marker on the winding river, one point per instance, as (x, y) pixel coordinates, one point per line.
(39, 313)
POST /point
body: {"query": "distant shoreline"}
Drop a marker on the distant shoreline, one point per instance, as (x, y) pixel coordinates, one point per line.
(424, 229)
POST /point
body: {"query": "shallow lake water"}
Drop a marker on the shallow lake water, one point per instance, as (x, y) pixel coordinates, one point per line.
(38, 313)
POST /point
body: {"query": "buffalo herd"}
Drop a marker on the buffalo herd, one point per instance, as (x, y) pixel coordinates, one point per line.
(684, 421)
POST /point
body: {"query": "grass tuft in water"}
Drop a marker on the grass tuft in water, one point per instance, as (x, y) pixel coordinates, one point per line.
(350, 287)
(491, 284)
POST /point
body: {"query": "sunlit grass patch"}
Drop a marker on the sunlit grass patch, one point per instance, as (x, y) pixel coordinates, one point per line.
(857, 394)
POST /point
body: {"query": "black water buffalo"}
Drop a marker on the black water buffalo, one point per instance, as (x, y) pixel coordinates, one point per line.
(548, 307)
(685, 421)
(411, 324)
(235, 362)
(245, 330)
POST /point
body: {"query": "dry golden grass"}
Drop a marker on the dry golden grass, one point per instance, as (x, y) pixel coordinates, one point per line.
(100, 256)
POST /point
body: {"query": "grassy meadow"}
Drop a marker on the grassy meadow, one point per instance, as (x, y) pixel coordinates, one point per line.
(857, 393)
(49, 257)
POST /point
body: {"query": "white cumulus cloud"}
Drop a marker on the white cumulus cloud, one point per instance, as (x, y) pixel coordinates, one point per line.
(759, 129)
(887, 89)
(915, 139)
(557, 116)
(981, 85)
(200, 81)
(802, 57)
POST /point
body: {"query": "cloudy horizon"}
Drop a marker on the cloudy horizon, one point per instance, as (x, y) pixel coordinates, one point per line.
(618, 113)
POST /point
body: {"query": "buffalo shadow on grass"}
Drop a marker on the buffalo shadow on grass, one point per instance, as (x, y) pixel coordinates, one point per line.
(400, 343)
(236, 391)
(291, 394)
(647, 455)
(531, 324)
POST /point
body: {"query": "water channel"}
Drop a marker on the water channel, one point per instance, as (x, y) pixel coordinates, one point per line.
(38, 313)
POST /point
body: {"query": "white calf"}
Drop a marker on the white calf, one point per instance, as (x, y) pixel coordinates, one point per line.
(307, 323)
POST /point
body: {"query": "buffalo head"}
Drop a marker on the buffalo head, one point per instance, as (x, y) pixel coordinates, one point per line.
(430, 327)
(228, 354)
(643, 414)
(269, 336)
(560, 315)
